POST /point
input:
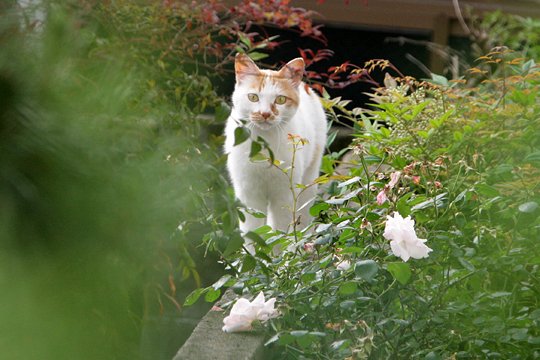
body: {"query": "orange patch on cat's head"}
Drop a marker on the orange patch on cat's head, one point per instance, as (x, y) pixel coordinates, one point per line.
(245, 68)
(289, 90)
(286, 80)
(294, 71)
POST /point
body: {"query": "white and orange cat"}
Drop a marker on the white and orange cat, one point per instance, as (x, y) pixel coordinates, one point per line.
(274, 104)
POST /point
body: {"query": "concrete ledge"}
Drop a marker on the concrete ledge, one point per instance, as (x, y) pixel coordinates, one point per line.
(209, 342)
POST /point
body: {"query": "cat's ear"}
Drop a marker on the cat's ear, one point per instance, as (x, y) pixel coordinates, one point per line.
(293, 70)
(244, 67)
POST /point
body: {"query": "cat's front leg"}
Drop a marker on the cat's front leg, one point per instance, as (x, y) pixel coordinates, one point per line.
(280, 211)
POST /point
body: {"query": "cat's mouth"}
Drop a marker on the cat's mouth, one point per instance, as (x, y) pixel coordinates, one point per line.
(264, 123)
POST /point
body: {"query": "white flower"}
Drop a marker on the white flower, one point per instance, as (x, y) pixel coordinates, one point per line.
(244, 312)
(309, 247)
(343, 265)
(404, 242)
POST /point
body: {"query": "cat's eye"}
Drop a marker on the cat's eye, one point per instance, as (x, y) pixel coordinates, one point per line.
(280, 100)
(253, 97)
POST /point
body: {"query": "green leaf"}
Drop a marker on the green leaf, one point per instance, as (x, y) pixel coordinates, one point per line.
(486, 190)
(400, 271)
(308, 277)
(346, 235)
(340, 344)
(299, 333)
(222, 112)
(403, 207)
(366, 269)
(305, 341)
(194, 296)
(372, 216)
(272, 340)
(331, 138)
(263, 256)
(265, 229)
(222, 281)
(234, 244)
(527, 66)
(385, 132)
(439, 80)
(352, 250)
(259, 157)
(256, 56)
(423, 134)
(212, 295)
(256, 238)
(255, 148)
(348, 288)
(535, 315)
(372, 159)
(499, 294)
(528, 207)
(244, 38)
(316, 209)
(248, 264)
(285, 339)
(325, 261)
(432, 356)
(533, 157)
(241, 134)
(437, 200)
(256, 214)
(419, 325)
(347, 304)
(418, 109)
(466, 264)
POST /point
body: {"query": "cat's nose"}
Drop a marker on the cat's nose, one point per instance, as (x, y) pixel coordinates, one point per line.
(266, 115)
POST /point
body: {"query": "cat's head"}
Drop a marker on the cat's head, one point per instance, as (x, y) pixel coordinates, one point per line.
(266, 98)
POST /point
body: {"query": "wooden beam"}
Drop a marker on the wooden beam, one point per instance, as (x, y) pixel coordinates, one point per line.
(441, 31)
(415, 15)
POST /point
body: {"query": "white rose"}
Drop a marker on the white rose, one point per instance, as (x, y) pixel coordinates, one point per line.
(403, 240)
(244, 312)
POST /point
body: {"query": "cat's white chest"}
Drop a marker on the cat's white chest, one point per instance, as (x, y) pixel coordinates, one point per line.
(258, 177)
(272, 188)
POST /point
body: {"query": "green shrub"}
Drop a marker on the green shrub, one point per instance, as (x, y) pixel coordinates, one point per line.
(513, 31)
(460, 159)
(89, 191)
(111, 168)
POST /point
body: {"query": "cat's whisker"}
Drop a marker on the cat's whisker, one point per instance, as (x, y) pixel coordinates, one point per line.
(282, 134)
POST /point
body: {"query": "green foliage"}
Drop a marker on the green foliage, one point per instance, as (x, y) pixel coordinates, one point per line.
(98, 167)
(460, 157)
(513, 31)
(108, 172)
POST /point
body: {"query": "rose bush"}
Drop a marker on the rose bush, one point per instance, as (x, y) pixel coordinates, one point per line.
(103, 94)
(461, 159)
